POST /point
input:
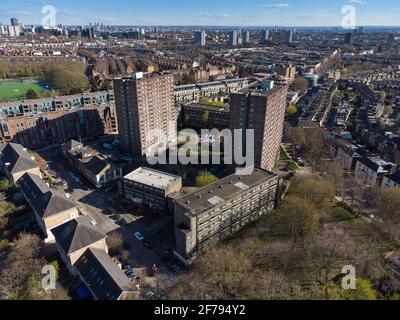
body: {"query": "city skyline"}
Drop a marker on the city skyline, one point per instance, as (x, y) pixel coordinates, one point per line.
(207, 13)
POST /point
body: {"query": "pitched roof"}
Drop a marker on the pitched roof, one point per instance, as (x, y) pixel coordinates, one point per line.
(73, 144)
(376, 164)
(395, 177)
(77, 234)
(102, 275)
(44, 201)
(96, 165)
(17, 158)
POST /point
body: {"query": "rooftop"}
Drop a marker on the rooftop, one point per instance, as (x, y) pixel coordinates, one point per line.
(224, 108)
(223, 190)
(102, 275)
(151, 177)
(77, 234)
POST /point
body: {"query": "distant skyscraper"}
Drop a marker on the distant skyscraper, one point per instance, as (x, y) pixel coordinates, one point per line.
(264, 36)
(232, 41)
(289, 36)
(391, 40)
(264, 111)
(143, 103)
(14, 22)
(200, 38)
(87, 32)
(246, 39)
(2, 30)
(347, 38)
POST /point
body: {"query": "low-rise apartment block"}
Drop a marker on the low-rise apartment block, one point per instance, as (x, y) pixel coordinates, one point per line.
(194, 92)
(212, 214)
(98, 170)
(371, 170)
(150, 188)
(391, 181)
(199, 116)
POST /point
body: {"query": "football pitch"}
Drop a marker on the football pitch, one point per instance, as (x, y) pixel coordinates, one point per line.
(11, 91)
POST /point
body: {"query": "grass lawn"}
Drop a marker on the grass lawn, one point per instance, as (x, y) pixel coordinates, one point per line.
(283, 156)
(341, 213)
(293, 166)
(11, 91)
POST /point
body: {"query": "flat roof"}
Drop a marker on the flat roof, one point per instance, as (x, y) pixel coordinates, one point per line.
(224, 108)
(152, 177)
(223, 190)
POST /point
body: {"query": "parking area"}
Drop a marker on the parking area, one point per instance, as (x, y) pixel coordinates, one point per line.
(113, 214)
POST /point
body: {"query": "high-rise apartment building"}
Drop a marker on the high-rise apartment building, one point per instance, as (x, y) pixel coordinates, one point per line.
(233, 37)
(264, 36)
(200, 38)
(144, 102)
(246, 39)
(289, 36)
(263, 110)
(347, 38)
(14, 22)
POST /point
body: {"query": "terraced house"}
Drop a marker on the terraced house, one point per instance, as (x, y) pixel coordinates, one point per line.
(51, 208)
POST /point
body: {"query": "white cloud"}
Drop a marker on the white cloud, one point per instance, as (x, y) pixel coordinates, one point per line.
(358, 1)
(276, 5)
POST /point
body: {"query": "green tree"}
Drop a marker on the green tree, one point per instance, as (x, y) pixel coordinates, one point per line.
(5, 185)
(364, 291)
(299, 84)
(292, 108)
(31, 94)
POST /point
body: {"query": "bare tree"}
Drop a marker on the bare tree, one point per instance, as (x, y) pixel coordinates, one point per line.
(115, 242)
(23, 263)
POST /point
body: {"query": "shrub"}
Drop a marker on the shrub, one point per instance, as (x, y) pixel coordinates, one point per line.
(4, 246)
(205, 179)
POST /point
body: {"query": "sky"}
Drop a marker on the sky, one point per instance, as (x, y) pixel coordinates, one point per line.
(204, 12)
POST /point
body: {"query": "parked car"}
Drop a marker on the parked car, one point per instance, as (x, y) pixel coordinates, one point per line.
(130, 274)
(148, 244)
(173, 267)
(139, 236)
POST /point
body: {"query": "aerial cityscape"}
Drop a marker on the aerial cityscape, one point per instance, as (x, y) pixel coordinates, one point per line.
(200, 150)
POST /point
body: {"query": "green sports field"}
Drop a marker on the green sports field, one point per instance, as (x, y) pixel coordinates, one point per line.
(11, 91)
